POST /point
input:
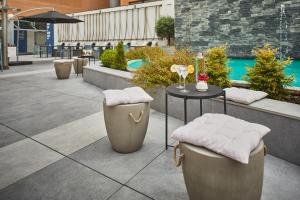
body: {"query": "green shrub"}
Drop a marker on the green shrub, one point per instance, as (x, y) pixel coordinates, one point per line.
(164, 28)
(268, 73)
(146, 53)
(158, 74)
(217, 69)
(108, 57)
(120, 61)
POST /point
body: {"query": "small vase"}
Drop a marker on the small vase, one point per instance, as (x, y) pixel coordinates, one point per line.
(202, 86)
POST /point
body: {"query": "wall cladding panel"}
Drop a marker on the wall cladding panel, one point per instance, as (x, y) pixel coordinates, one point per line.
(243, 24)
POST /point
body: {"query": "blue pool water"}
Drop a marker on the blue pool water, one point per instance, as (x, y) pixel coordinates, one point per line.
(239, 66)
(136, 64)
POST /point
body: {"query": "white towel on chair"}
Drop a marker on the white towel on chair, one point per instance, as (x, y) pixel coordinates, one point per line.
(127, 96)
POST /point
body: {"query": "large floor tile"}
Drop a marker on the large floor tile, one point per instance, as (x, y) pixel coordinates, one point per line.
(63, 180)
(27, 68)
(6, 85)
(23, 158)
(35, 103)
(281, 180)
(101, 157)
(123, 167)
(25, 101)
(75, 135)
(156, 128)
(8, 136)
(41, 116)
(74, 86)
(127, 194)
(161, 180)
(26, 73)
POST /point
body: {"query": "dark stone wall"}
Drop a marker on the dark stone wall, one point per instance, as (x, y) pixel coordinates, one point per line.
(242, 24)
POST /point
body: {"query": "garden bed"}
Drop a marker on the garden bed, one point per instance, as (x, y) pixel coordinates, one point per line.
(283, 118)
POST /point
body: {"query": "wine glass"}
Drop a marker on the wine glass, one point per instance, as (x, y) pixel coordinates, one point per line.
(179, 74)
(184, 73)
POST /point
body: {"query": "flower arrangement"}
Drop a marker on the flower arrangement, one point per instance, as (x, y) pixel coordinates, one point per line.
(203, 77)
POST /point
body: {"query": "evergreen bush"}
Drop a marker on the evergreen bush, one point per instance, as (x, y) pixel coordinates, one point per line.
(157, 73)
(268, 73)
(146, 53)
(120, 61)
(217, 69)
(108, 57)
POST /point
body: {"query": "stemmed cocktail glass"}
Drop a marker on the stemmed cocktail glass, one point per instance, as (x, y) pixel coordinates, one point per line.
(179, 74)
(184, 73)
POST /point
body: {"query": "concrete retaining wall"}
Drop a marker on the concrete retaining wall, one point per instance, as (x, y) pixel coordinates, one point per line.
(282, 142)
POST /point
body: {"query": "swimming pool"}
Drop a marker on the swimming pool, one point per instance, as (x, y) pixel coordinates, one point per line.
(238, 66)
(133, 65)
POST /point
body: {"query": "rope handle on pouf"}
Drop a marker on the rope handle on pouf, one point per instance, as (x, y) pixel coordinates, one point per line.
(139, 119)
(265, 150)
(181, 156)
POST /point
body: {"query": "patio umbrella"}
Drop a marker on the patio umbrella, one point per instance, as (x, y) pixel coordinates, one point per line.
(51, 17)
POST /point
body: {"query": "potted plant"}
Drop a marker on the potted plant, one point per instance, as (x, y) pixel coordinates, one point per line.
(165, 28)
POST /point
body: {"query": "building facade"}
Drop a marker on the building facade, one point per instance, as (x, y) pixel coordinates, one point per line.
(132, 23)
(59, 5)
(130, 2)
(104, 21)
(31, 37)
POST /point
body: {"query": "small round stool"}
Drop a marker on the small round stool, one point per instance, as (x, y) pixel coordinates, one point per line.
(63, 68)
(212, 176)
(126, 125)
(78, 65)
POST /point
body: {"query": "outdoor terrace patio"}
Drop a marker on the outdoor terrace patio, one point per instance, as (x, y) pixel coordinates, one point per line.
(54, 146)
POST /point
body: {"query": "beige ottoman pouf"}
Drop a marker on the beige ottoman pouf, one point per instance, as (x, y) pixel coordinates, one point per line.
(85, 61)
(126, 125)
(210, 176)
(78, 65)
(63, 68)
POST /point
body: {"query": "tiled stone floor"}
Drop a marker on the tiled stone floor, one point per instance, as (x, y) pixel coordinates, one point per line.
(53, 145)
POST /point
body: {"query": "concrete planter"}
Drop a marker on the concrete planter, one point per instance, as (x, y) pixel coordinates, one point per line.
(282, 118)
(126, 125)
(208, 175)
(78, 64)
(63, 68)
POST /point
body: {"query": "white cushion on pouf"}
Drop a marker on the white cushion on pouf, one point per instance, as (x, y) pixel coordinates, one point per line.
(64, 61)
(223, 134)
(127, 96)
(244, 96)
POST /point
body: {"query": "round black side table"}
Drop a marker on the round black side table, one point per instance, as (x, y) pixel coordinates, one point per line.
(212, 92)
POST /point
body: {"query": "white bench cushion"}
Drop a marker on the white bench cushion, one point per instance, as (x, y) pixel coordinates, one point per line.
(244, 96)
(223, 134)
(127, 96)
